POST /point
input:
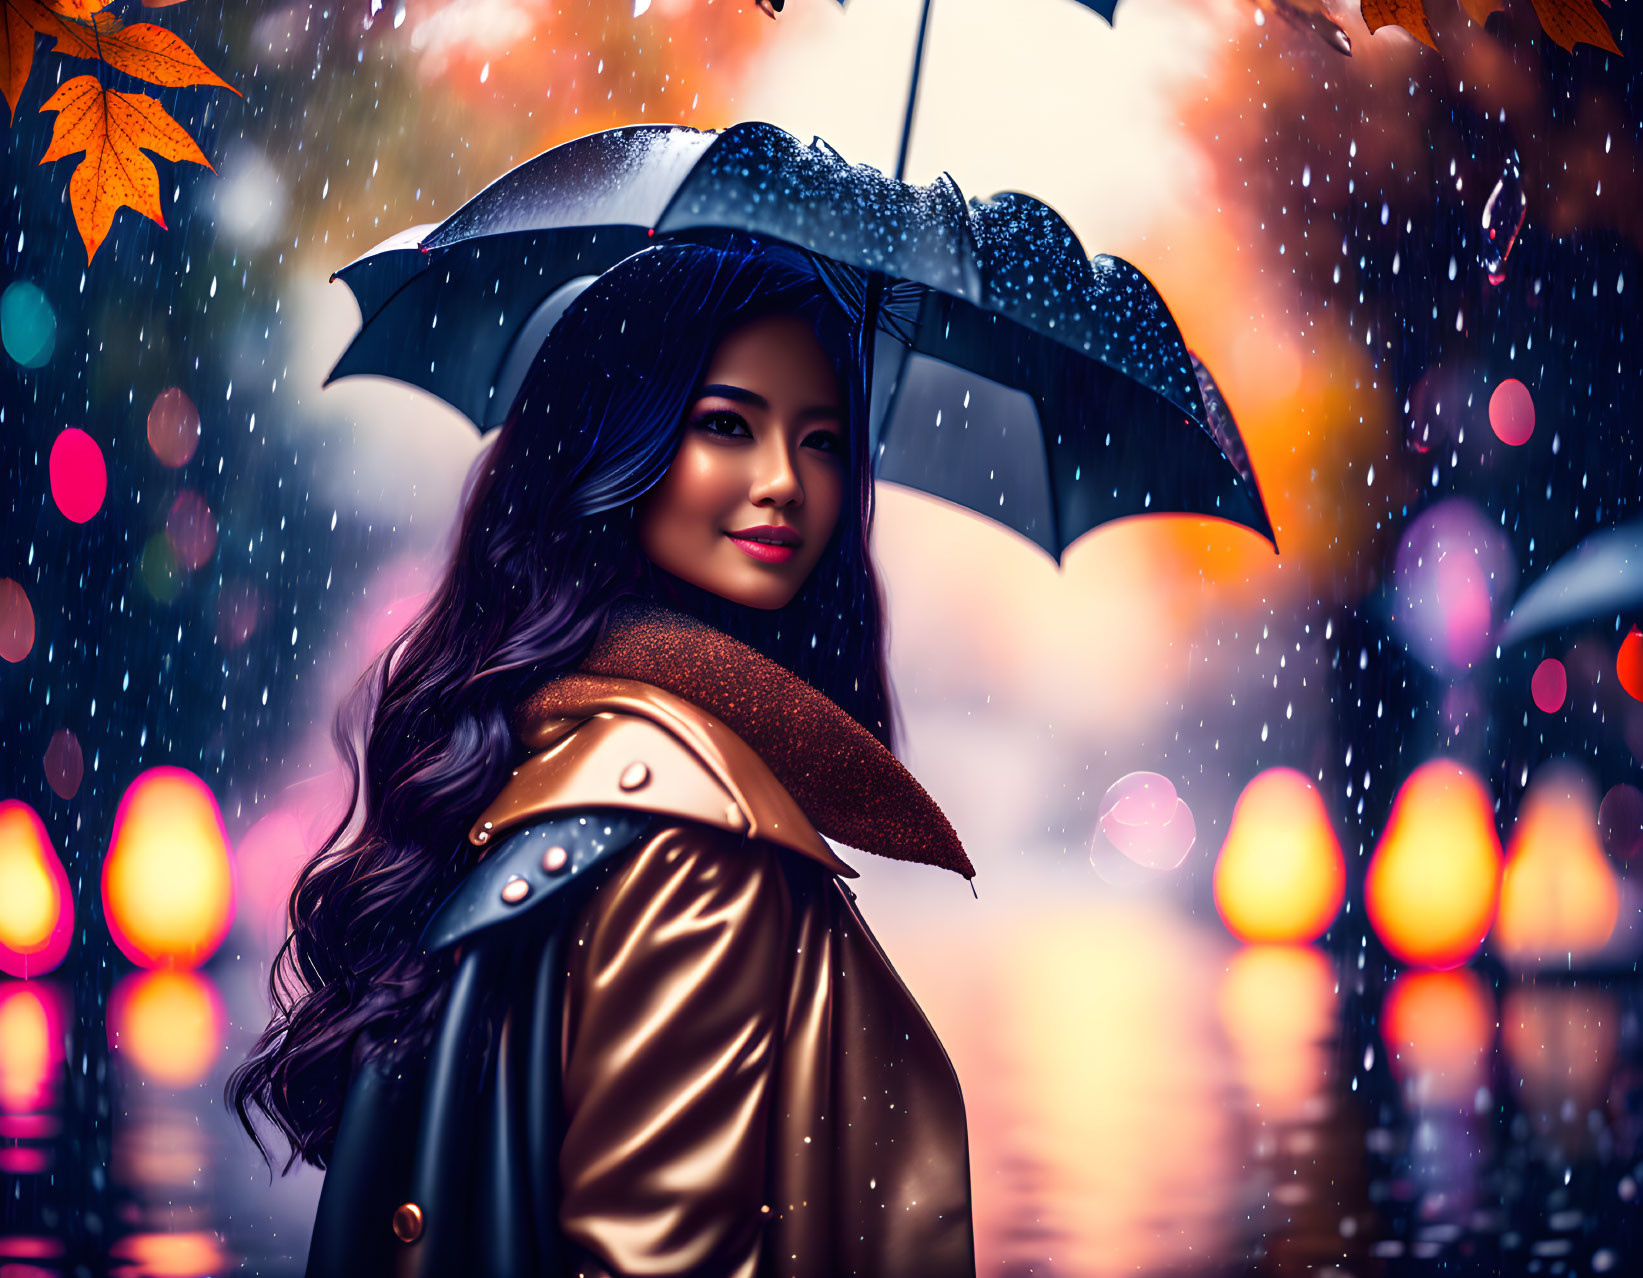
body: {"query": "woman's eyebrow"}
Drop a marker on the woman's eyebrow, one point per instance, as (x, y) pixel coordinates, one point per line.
(741, 395)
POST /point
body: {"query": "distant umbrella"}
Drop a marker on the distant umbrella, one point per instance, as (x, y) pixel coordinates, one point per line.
(1015, 375)
(1600, 576)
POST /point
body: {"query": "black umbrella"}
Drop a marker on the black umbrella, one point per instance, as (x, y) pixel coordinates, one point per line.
(1028, 382)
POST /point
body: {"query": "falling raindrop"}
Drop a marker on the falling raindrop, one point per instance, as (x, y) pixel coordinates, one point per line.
(1503, 215)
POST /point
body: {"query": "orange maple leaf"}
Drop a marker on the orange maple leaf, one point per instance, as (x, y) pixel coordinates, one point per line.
(16, 49)
(143, 50)
(82, 9)
(1568, 22)
(1408, 14)
(113, 129)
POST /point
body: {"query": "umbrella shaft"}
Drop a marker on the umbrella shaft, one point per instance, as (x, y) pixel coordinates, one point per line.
(912, 93)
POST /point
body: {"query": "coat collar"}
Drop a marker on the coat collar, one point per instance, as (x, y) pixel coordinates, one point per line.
(851, 787)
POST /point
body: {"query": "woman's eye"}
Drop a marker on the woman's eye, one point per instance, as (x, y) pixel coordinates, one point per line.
(827, 440)
(722, 423)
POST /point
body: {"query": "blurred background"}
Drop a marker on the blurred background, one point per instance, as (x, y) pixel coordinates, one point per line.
(1309, 885)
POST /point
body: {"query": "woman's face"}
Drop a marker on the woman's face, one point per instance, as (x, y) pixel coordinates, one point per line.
(755, 490)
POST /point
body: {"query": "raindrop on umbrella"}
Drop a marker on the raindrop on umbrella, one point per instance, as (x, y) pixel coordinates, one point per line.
(1503, 216)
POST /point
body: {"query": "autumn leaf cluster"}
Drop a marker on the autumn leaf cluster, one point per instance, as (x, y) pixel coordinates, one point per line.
(1567, 22)
(110, 127)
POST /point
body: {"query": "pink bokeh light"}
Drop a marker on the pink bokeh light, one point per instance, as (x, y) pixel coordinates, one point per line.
(1453, 574)
(16, 621)
(1144, 818)
(1512, 412)
(1549, 685)
(79, 477)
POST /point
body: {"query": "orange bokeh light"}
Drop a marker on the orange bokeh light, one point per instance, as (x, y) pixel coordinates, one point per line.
(186, 1255)
(31, 1046)
(1280, 876)
(168, 1024)
(1558, 898)
(168, 883)
(1435, 878)
(1438, 1027)
(36, 907)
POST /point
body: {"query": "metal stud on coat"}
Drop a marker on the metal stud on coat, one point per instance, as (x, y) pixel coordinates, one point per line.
(407, 1222)
(554, 859)
(515, 890)
(634, 776)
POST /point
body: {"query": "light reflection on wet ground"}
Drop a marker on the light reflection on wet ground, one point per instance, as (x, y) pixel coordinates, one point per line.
(1144, 1095)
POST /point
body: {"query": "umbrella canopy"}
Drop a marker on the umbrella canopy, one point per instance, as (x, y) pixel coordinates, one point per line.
(1045, 389)
(1600, 576)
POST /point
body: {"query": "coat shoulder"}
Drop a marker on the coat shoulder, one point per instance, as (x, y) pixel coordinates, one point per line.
(626, 746)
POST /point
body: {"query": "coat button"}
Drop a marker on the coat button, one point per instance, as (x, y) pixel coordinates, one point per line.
(407, 1222)
(635, 775)
(516, 890)
(554, 859)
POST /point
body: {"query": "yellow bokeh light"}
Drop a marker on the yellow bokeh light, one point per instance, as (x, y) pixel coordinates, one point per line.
(25, 1049)
(168, 1024)
(1558, 897)
(36, 911)
(1280, 877)
(168, 886)
(1435, 878)
(1278, 1006)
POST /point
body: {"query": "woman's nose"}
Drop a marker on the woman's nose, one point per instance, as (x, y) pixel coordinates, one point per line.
(776, 481)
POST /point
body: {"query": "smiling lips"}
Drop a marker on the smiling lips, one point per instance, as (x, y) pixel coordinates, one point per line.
(767, 543)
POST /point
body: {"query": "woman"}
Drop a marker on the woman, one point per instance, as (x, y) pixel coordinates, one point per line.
(583, 992)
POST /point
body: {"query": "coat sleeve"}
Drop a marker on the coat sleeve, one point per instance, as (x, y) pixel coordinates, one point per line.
(673, 1011)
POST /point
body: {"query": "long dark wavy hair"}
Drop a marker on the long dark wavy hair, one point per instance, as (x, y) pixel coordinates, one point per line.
(545, 548)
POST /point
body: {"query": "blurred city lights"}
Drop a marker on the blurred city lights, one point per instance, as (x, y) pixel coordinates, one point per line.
(1434, 880)
(1143, 817)
(168, 883)
(1558, 897)
(195, 1254)
(79, 477)
(1560, 1045)
(191, 529)
(1278, 1009)
(1438, 1028)
(1620, 819)
(28, 324)
(1512, 412)
(33, 1021)
(239, 608)
(36, 907)
(173, 427)
(168, 1024)
(1280, 876)
(157, 567)
(64, 763)
(1453, 574)
(1549, 685)
(16, 621)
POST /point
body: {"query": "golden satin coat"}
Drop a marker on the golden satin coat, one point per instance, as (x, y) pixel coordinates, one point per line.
(748, 1087)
